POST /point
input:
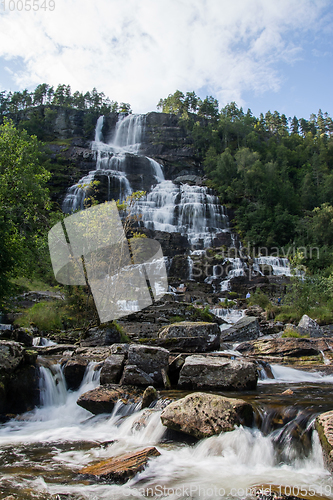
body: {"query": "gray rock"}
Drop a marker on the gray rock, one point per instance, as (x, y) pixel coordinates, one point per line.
(96, 354)
(74, 370)
(119, 349)
(133, 375)
(151, 360)
(101, 337)
(202, 415)
(209, 372)
(308, 326)
(11, 355)
(246, 328)
(324, 427)
(112, 369)
(149, 395)
(193, 336)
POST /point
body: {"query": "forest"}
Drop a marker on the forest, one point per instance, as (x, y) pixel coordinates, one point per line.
(274, 172)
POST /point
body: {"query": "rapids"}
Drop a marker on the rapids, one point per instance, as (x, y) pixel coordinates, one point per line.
(42, 451)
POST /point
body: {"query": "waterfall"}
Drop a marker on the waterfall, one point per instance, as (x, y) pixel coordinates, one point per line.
(280, 266)
(193, 211)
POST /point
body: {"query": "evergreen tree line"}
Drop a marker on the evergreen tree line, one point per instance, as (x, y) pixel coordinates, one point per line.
(44, 94)
(276, 172)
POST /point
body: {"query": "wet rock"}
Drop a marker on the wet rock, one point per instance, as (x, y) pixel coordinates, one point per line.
(324, 426)
(209, 372)
(150, 360)
(120, 469)
(11, 355)
(96, 354)
(192, 336)
(254, 311)
(282, 347)
(22, 335)
(246, 328)
(120, 349)
(103, 398)
(149, 395)
(133, 375)
(101, 337)
(58, 349)
(308, 326)
(74, 370)
(112, 369)
(202, 415)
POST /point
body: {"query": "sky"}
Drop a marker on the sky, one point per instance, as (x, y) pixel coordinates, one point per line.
(262, 54)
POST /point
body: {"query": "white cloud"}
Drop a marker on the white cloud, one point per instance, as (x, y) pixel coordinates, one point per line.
(140, 50)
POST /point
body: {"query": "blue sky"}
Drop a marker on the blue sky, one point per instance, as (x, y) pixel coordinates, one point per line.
(263, 54)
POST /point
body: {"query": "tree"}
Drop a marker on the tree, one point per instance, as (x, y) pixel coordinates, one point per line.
(24, 202)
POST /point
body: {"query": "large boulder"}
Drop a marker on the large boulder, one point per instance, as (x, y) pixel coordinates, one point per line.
(247, 328)
(11, 355)
(151, 360)
(120, 469)
(112, 369)
(282, 347)
(133, 375)
(74, 370)
(190, 336)
(103, 398)
(210, 372)
(308, 326)
(19, 378)
(202, 415)
(324, 426)
(101, 337)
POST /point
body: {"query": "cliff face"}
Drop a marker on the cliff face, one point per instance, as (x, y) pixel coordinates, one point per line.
(164, 139)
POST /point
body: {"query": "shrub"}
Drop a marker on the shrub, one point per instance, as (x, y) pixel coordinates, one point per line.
(288, 314)
(259, 299)
(47, 316)
(176, 319)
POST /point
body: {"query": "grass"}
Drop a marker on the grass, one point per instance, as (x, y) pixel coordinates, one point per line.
(47, 316)
(291, 333)
(259, 299)
(288, 314)
(176, 319)
(31, 285)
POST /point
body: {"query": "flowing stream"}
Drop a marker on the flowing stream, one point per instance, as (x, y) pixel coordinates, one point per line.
(42, 451)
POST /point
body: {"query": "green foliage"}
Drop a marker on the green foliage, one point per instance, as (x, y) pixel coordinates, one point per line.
(47, 316)
(176, 319)
(288, 314)
(199, 314)
(24, 204)
(291, 333)
(259, 299)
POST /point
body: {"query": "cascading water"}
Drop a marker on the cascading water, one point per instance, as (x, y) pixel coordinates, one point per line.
(280, 266)
(41, 454)
(191, 210)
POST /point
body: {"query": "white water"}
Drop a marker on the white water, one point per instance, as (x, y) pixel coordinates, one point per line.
(283, 374)
(191, 210)
(280, 266)
(228, 463)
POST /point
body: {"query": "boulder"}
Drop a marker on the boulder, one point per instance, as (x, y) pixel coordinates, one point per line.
(133, 375)
(151, 360)
(119, 349)
(192, 336)
(74, 370)
(149, 395)
(209, 372)
(103, 398)
(202, 415)
(11, 355)
(22, 335)
(247, 328)
(324, 426)
(308, 326)
(112, 369)
(120, 469)
(96, 354)
(101, 337)
(282, 347)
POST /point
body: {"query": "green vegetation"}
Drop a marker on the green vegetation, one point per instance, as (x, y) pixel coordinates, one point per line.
(259, 299)
(176, 319)
(47, 316)
(291, 333)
